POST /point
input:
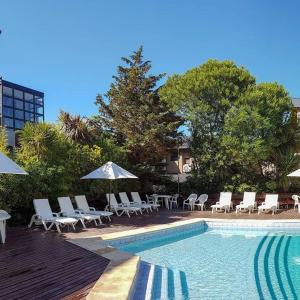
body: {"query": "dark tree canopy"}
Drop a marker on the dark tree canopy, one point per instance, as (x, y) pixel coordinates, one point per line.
(133, 112)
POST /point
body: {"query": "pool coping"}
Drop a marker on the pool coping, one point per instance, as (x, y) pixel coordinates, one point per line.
(255, 223)
(118, 279)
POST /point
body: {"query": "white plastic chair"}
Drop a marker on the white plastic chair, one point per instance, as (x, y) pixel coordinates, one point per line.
(152, 202)
(270, 204)
(200, 202)
(44, 215)
(224, 202)
(248, 203)
(189, 202)
(68, 210)
(83, 205)
(173, 202)
(296, 199)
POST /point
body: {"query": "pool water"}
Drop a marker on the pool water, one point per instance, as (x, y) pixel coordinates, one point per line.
(203, 263)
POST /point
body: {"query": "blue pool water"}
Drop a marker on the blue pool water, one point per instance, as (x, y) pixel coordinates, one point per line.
(203, 263)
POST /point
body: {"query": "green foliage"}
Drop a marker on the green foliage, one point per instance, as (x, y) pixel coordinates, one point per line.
(55, 164)
(134, 113)
(238, 127)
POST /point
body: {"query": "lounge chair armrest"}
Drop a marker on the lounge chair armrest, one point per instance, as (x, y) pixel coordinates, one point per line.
(54, 215)
(79, 212)
(92, 208)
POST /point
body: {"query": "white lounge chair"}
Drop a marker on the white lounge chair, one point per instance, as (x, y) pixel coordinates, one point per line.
(67, 210)
(44, 215)
(248, 203)
(119, 208)
(190, 201)
(83, 205)
(200, 202)
(224, 202)
(137, 200)
(125, 201)
(296, 199)
(270, 204)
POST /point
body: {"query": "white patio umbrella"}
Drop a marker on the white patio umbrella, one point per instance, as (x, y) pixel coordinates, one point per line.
(7, 166)
(109, 171)
(295, 173)
(10, 167)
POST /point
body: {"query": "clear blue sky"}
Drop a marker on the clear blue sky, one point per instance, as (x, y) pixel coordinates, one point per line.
(70, 49)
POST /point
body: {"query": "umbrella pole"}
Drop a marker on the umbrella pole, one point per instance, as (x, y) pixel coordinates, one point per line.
(109, 194)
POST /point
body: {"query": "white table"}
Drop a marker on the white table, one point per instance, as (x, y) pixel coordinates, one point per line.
(166, 199)
(3, 217)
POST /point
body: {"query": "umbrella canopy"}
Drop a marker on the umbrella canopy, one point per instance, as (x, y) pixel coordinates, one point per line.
(295, 173)
(109, 171)
(10, 167)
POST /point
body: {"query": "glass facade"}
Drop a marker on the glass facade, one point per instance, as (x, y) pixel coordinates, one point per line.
(19, 105)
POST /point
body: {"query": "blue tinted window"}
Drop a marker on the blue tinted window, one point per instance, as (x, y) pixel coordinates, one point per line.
(29, 116)
(7, 112)
(8, 122)
(19, 114)
(18, 104)
(29, 106)
(7, 101)
(19, 124)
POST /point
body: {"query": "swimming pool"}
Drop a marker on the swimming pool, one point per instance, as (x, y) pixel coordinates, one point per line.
(199, 262)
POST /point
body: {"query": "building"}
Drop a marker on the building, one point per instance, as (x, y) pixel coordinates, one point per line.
(177, 158)
(18, 105)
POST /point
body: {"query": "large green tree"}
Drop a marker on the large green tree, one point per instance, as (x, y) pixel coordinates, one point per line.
(134, 113)
(237, 126)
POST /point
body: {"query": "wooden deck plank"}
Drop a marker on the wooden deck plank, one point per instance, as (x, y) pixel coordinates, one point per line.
(41, 265)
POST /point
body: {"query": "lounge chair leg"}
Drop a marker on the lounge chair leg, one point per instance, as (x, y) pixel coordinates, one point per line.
(109, 218)
(82, 222)
(128, 214)
(45, 226)
(73, 226)
(57, 227)
(32, 220)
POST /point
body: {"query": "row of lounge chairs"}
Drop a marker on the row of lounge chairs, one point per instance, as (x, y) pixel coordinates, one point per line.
(127, 207)
(225, 203)
(68, 216)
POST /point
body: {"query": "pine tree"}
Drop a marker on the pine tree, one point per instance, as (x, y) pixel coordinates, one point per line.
(134, 113)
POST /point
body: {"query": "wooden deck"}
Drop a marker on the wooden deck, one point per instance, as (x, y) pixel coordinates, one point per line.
(36, 264)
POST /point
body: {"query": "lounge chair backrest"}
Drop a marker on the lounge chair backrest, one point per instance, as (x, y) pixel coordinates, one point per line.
(65, 205)
(202, 198)
(113, 200)
(295, 198)
(192, 197)
(136, 197)
(271, 200)
(42, 208)
(249, 198)
(225, 198)
(124, 198)
(82, 202)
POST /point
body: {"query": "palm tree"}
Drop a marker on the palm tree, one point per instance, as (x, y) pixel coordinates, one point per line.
(76, 128)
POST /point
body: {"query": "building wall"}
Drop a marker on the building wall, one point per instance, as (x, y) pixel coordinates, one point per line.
(174, 163)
